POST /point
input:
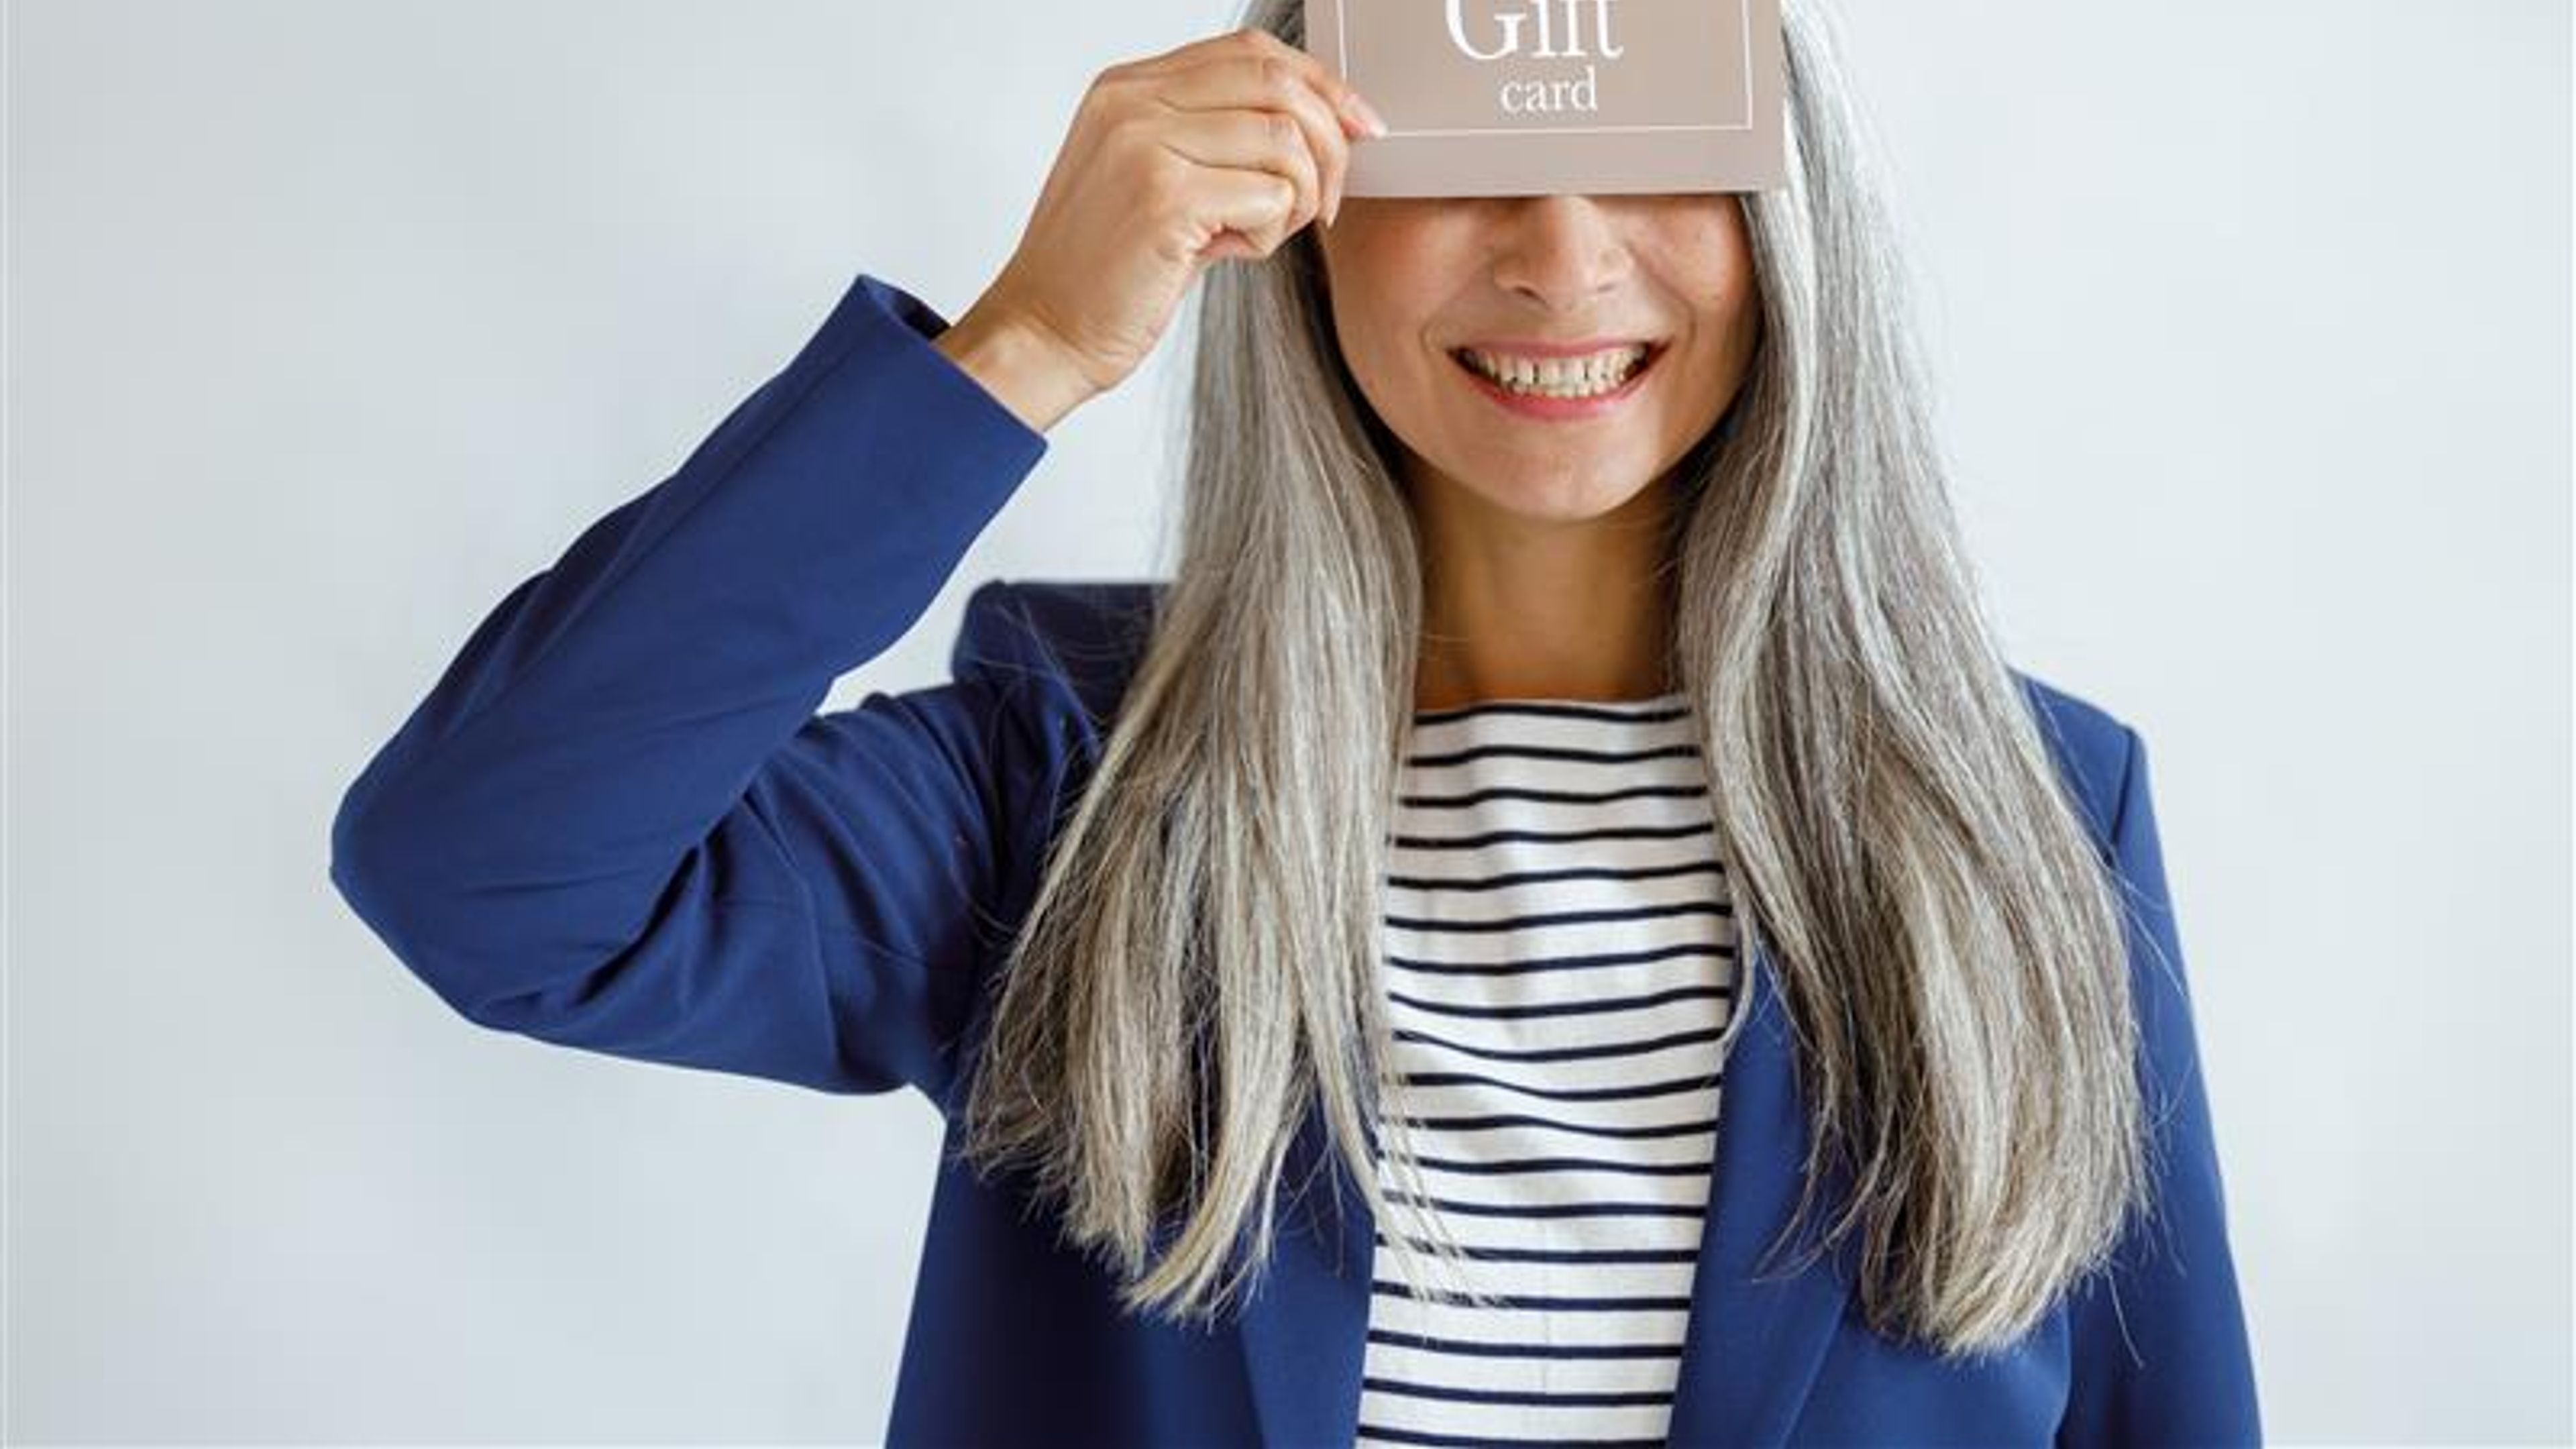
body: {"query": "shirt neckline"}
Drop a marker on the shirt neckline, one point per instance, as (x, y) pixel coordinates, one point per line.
(1551, 703)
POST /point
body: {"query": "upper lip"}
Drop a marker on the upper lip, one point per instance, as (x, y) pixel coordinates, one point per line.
(1533, 347)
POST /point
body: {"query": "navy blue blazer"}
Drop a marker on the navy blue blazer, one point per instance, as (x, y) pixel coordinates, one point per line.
(617, 822)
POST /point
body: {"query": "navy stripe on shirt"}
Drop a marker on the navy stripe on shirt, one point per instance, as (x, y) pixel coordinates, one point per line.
(1561, 973)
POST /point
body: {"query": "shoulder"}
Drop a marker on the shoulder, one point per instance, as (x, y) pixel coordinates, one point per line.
(2092, 747)
(1075, 642)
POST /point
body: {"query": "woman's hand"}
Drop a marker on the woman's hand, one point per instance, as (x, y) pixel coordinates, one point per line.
(1221, 148)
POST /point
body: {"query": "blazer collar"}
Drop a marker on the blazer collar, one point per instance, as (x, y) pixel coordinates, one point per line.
(1753, 1347)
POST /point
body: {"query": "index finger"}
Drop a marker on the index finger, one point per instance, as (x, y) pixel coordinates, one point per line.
(1340, 92)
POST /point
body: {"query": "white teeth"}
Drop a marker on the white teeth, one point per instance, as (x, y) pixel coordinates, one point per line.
(1559, 377)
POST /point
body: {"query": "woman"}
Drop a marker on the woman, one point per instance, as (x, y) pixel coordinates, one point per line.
(1419, 976)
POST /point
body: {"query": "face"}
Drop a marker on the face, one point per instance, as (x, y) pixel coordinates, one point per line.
(1420, 285)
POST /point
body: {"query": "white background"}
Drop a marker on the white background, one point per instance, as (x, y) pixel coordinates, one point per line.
(329, 322)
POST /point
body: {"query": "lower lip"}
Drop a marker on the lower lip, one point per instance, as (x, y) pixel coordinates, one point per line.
(1562, 409)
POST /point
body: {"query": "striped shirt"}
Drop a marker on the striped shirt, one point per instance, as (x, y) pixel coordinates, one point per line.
(1561, 971)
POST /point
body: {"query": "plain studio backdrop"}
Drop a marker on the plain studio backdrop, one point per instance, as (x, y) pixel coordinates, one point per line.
(330, 322)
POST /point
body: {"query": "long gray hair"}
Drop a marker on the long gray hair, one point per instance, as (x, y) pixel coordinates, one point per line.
(1201, 962)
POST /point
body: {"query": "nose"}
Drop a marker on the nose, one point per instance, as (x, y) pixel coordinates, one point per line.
(1563, 251)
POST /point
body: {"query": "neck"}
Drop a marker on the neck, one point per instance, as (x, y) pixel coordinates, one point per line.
(1516, 607)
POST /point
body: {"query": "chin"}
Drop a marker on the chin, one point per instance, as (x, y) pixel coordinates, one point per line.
(1571, 501)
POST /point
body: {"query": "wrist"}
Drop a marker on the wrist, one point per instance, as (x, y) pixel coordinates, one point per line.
(1026, 371)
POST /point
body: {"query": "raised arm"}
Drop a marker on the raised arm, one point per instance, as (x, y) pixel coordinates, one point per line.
(616, 821)
(2160, 1347)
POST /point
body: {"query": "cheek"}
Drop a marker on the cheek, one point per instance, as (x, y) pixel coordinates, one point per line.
(1728, 326)
(1703, 391)
(1387, 353)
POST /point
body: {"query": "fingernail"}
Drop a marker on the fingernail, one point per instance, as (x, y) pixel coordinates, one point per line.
(1366, 114)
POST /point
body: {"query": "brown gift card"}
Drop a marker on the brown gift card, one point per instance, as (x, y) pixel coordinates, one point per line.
(1533, 97)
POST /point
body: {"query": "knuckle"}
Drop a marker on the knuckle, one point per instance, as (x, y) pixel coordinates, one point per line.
(1127, 129)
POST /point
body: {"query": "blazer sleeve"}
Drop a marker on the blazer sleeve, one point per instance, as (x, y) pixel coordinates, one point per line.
(2160, 1352)
(616, 822)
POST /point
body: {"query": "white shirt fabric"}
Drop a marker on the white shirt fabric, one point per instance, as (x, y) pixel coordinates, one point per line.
(1561, 974)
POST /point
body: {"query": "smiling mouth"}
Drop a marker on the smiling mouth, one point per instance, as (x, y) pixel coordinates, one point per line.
(1562, 392)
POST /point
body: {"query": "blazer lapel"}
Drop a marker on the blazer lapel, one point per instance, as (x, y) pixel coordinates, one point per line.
(1304, 1325)
(1752, 1349)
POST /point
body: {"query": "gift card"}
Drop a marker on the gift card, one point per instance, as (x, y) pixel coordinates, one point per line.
(1533, 97)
